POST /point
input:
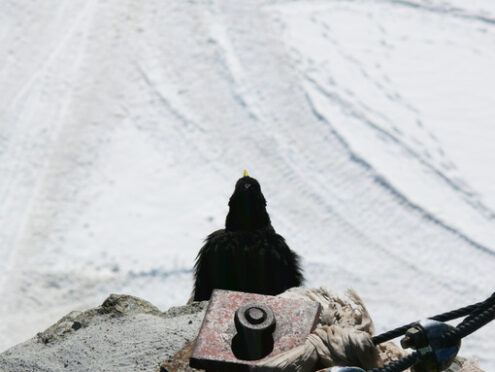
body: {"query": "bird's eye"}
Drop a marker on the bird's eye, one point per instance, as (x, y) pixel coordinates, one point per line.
(247, 185)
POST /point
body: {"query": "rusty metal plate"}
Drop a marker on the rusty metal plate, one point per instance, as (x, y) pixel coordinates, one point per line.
(295, 320)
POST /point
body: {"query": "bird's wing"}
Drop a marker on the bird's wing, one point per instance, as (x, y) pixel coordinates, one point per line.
(284, 263)
(212, 263)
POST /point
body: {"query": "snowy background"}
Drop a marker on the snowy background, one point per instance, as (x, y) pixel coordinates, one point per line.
(124, 125)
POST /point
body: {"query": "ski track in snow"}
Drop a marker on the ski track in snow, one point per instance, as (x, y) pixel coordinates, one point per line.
(445, 10)
(113, 187)
(386, 185)
(18, 146)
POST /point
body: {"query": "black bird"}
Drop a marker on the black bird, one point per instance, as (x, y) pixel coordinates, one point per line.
(248, 255)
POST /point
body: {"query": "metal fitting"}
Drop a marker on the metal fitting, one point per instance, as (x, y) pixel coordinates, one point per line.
(255, 323)
(426, 338)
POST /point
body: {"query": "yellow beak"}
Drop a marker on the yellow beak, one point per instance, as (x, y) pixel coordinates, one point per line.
(245, 173)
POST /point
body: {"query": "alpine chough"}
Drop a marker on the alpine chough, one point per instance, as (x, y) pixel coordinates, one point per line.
(248, 255)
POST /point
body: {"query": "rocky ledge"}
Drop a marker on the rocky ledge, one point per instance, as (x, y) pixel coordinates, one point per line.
(124, 334)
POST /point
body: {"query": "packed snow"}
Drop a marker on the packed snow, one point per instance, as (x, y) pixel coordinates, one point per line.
(125, 125)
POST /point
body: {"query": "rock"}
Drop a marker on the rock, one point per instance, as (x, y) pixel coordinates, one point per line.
(125, 333)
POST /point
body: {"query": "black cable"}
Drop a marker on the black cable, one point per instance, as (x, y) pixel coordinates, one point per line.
(466, 328)
(471, 310)
(389, 335)
(490, 301)
(398, 365)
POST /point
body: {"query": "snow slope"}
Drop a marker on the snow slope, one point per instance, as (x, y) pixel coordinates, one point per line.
(125, 124)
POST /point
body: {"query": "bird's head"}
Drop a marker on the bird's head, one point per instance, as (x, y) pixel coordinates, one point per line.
(247, 206)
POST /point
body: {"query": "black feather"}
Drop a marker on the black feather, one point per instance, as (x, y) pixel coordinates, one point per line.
(248, 255)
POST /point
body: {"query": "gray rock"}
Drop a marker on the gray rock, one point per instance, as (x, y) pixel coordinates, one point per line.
(125, 333)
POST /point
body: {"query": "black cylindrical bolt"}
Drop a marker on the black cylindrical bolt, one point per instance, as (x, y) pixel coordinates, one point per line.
(255, 323)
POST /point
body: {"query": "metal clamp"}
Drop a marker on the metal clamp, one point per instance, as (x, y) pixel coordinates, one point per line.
(426, 338)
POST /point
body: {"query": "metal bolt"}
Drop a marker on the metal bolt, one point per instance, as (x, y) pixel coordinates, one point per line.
(255, 323)
(414, 338)
(406, 342)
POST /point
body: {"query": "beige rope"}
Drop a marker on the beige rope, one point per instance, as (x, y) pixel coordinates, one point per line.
(343, 337)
